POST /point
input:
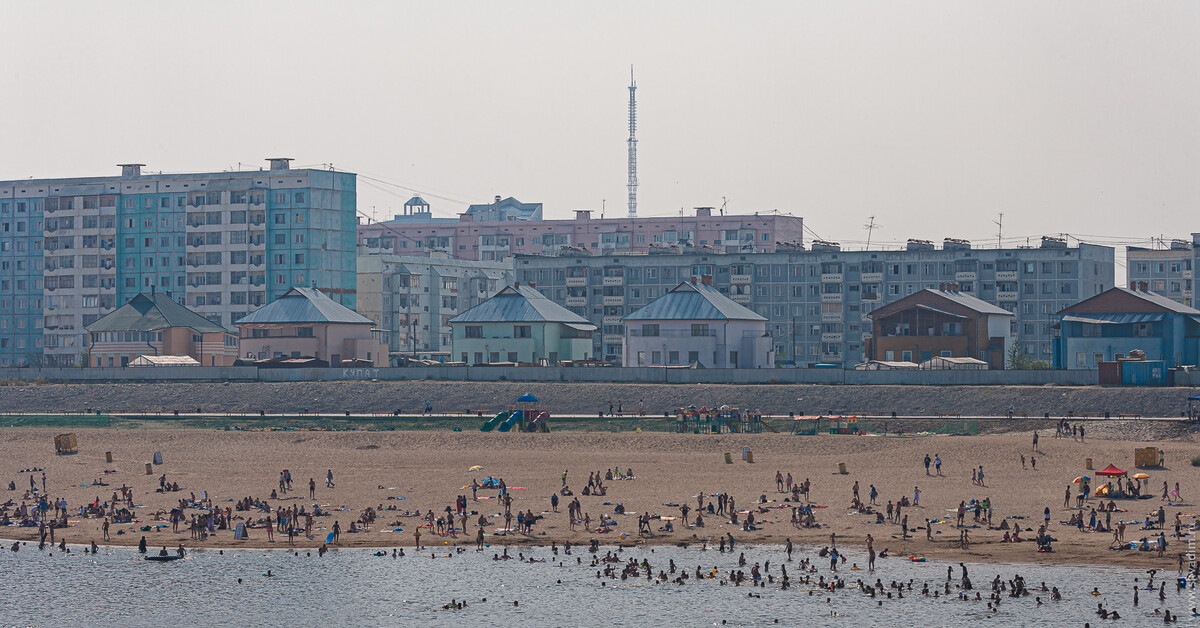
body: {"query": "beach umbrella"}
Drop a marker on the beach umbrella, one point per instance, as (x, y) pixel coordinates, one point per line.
(477, 467)
(1141, 476)
(1082, 478)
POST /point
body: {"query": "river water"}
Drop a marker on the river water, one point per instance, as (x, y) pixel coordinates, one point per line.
(352, 586)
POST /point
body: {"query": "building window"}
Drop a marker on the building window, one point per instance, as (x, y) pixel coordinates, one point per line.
(474, 331)
(649, 329)
(521, 331)
(304, 332)
(699, 329)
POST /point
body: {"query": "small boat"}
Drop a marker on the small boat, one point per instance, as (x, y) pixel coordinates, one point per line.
(164, 558)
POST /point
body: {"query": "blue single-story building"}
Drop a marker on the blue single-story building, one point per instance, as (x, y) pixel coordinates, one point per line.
(1108, 326)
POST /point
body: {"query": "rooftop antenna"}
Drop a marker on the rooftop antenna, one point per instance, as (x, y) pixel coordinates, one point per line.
(870, 226)
(724, 202)
(999, 230)
(633, 184)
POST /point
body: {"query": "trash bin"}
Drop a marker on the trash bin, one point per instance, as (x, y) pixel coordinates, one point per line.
(750, 457)
(1088, 464)
(149, 469)
(728, 458)
(108, 457)
(842, 468)
(745, 452)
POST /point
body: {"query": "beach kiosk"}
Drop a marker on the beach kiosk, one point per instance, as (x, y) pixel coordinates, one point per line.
(65, 444)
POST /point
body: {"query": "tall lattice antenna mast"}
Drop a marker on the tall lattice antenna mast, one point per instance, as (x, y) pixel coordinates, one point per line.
(632, 146)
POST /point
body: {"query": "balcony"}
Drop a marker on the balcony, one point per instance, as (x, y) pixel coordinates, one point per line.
(966, 277)
(613, 281)
(740, 298)
(611, 320)
(576, 282)
(871, 278)
(1187, 274)
(1007, 296)
(612, 300)
(832, 277)
(576, 301)
(835, 297)
(1006, 275)
(741, 279)
(612, 339)
(831, 317)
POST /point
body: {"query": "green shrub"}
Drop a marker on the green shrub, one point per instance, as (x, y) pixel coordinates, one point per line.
(1196, 461)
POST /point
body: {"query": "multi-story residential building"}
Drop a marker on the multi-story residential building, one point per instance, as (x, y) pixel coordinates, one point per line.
(1170, 272)
(508, 227)
(226, 243)
(817, 301)
(414, 298)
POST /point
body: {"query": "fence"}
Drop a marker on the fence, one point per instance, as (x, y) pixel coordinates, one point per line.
(557, 374)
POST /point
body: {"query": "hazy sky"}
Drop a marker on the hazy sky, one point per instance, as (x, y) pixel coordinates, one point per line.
(934, 117)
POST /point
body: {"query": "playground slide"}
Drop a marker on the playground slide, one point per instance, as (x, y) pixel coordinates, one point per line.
(493, 422)
(539, 424)
(508, 423)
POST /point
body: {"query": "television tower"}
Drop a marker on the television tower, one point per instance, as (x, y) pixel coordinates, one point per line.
(632, 146)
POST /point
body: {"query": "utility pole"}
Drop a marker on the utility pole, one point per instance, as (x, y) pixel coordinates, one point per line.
(870, 226)
(999, 230)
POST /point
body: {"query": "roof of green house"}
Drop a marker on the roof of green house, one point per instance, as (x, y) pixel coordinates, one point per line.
(693, 301)
(303, 305)
(153, 312)
(520, 304)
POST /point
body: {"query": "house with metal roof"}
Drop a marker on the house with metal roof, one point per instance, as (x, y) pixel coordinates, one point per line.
(305, 323)
(156, 325)
(940, 323)
(694, 324)
(520, 325)
(1108, 326)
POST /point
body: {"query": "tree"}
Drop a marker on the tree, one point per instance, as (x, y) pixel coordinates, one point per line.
(1019, 358)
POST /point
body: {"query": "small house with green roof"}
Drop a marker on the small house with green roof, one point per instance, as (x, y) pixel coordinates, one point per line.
(520, 325)
(156, 325)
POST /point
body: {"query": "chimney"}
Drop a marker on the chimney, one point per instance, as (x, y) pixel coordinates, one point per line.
(533, 285)
(1133, 285)
(703, 212)
(706, 280)
(131, 170)
(280, 163)
(1144, 286)
(583, 214)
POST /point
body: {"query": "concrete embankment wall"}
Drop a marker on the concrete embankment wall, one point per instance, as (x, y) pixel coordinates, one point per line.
(549, 374)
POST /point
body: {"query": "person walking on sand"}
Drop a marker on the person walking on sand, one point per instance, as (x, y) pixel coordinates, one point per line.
(312, 488)
(1035, 440)
(564, 478)
(937, 463)
(916, 497)
(928, 460)
(329, 479)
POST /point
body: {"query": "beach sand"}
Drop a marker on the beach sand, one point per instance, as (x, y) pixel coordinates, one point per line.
(429, 469)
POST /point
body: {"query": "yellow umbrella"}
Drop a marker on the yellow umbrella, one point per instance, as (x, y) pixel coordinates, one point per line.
(1140, 476)
(477, 467)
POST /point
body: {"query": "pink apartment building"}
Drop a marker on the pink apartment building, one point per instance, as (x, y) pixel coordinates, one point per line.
(508, 227)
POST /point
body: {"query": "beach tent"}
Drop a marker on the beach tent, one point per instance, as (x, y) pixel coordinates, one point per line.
(1194, 398)
(1112, 471)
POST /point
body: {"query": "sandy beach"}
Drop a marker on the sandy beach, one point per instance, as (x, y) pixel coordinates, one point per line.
(428, 470)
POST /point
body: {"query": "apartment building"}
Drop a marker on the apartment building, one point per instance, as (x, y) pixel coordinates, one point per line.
(816, 301)
(224, 244)
(1169, 272)
(413, 298)
(508, 227)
